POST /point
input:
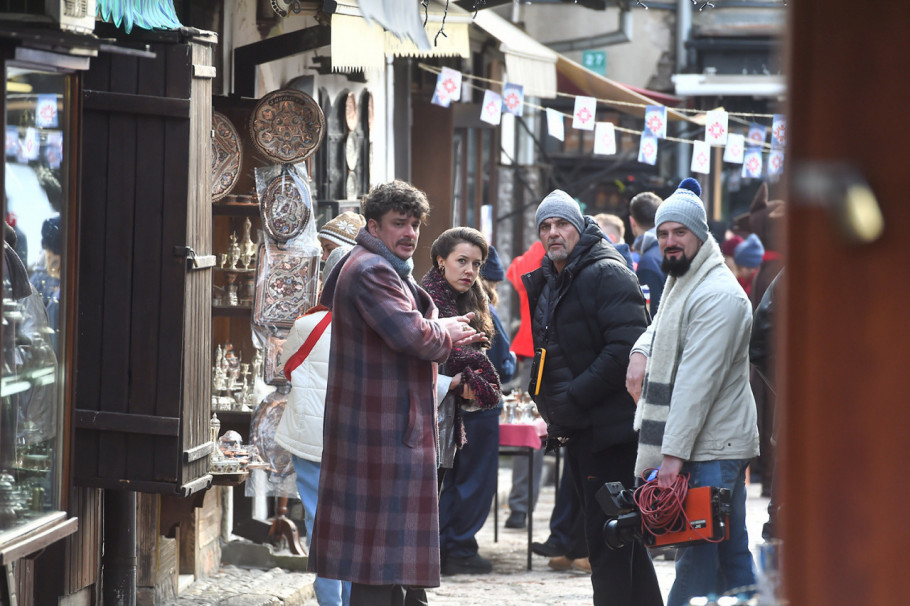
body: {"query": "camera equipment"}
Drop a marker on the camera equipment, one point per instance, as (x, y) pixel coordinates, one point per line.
(688, 516)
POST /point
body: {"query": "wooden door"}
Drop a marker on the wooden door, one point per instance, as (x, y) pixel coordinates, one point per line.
(143, 386)
(845, 359)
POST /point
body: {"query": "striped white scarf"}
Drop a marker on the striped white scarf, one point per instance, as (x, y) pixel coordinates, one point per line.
(654, 405)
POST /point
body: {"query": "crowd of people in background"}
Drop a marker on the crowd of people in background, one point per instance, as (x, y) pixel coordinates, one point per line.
(643, 346)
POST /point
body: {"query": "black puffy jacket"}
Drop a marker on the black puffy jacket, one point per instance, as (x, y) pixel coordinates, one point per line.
(597, 312)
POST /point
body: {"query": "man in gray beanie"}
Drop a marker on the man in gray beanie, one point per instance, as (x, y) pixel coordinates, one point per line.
(689, 374)
(586, 311)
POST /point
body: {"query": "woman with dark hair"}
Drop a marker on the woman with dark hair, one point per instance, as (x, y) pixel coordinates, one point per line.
(468, 411)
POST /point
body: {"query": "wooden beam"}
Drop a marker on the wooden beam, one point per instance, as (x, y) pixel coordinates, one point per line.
(247, 57)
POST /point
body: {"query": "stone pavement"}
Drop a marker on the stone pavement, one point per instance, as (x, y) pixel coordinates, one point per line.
(510, 583)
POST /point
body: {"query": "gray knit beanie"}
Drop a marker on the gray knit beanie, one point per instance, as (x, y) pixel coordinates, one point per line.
(560, 204)
(684, 206)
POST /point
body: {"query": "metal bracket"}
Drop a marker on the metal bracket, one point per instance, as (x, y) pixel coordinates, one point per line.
(193, 260)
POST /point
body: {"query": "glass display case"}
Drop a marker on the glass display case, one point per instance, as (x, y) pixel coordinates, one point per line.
(34, 279)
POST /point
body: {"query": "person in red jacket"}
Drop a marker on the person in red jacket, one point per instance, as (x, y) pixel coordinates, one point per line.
(523, 348)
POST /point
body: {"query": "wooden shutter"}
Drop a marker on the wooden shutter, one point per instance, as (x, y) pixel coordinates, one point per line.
(143, 387)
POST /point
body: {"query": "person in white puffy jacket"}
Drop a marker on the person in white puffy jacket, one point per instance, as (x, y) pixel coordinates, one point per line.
(305, 357)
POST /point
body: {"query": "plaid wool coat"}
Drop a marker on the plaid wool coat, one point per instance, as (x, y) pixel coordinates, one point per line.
(377, 522)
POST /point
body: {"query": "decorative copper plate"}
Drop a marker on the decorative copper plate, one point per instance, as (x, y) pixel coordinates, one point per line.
(286, 207)
(350, 112)
(285, 288)
(287, 125)
(226, 155)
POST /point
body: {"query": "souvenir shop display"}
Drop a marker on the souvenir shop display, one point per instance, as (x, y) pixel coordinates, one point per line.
(233, 381)
(236, 266)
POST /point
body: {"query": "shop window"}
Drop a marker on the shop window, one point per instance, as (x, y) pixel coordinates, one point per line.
(34, 301)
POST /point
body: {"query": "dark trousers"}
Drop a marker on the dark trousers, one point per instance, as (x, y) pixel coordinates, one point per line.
(387, 595)
(567, 524)
(622, 577)
(468, 487)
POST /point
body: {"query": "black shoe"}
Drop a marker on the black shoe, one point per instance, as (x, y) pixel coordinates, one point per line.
(470, 565)
(516, 519)
(549, 549)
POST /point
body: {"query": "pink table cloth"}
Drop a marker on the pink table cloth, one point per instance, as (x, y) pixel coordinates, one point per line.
(522, 434)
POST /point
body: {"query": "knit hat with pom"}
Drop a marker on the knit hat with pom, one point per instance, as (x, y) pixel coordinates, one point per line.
(684, 206)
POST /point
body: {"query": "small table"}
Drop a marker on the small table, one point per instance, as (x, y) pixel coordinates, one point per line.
(521, 439)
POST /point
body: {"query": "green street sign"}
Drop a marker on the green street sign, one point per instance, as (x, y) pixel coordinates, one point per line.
(595, 60)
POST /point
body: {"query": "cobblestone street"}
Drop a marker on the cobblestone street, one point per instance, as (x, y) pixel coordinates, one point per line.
(510, 583)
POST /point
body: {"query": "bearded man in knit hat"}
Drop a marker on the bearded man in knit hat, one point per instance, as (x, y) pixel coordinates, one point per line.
(689, 374)
(587, 310)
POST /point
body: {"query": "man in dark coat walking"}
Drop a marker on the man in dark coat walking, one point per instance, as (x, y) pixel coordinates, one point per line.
(587, 310)
(377, 523)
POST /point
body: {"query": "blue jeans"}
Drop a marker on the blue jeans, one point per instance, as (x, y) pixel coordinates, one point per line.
(329, 592)
(716, 567)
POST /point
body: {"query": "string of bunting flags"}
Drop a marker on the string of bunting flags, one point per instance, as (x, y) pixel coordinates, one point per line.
(746, 148)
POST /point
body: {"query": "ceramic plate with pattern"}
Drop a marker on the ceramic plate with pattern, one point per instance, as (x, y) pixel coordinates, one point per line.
(286, 207)
(287, 126)
(226, 155)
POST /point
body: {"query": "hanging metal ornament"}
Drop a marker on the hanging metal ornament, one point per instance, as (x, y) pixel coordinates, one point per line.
(226, 156)
(287, 126)
(286, 206)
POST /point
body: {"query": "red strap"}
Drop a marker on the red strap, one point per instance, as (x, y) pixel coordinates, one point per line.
(308, 345)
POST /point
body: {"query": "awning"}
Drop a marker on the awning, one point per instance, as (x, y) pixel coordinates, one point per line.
(601, 87)
(528, 62)
(357, 45)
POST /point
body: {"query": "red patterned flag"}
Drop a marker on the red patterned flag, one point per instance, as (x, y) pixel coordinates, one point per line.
(491, 110)
(604, 138)
(448, 87)
(647, 149)
(779, 131)
(735, 149)
(752, 163)
(701, 158)
(716, 127)
(513, 98)
(656, 120)
(585, 111)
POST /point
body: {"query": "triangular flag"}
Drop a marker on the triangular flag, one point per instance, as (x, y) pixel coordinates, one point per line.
(779, 131)
(513, 98)
(716, 127)
(584, 114)
(491, 111)
(735, 149)
(656, 120)
(604, 138)
(647, 149)
(752, 163)
(556, 126)
(701, 158)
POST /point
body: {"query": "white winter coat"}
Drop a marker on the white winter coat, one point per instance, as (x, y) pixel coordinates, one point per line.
(300, 429)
